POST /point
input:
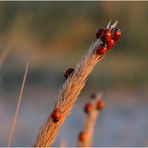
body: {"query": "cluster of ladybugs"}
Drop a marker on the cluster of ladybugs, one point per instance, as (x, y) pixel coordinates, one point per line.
(108, 38)
(89, 107)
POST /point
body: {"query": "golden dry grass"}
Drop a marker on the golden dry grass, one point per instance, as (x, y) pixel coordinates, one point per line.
(68, 94)
(17, 108)
(89, 124)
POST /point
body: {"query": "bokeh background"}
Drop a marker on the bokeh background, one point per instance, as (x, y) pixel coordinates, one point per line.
(55, 35)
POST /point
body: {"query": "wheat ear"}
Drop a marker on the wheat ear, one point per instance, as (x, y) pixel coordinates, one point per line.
(86, 136)
(18, 106)
(68, 95)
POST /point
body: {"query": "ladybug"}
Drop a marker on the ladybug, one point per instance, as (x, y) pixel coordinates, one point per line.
(68, 72)
(110, 44)
(101, 49)
(116, 34)
(99, 32)
(82, 137)
(56, 115)
(100, 105)
(106, 35)
(88, 108)
(93, 96)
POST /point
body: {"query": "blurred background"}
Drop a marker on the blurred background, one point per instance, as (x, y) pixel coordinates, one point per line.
(53, 36)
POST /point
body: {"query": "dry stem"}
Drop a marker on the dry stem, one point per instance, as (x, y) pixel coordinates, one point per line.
(90, 125)
(17, 108)
(68, 95)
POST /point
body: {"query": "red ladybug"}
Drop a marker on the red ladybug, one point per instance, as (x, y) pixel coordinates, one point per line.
(100, 105)
(56, 115)
(68, 72)
(107, 35)
(88, 108)
(101, 49)
(82, 137)
(116, 34)
(110, 44)
(99, 32)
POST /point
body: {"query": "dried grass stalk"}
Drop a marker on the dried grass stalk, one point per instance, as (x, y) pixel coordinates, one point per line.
(18, 106)
(89, 125)
(68, 95)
